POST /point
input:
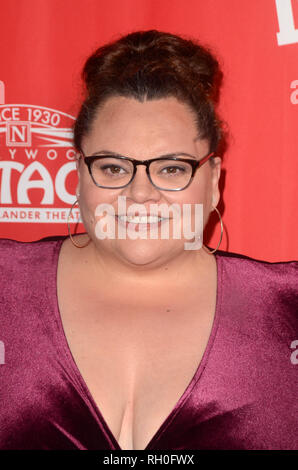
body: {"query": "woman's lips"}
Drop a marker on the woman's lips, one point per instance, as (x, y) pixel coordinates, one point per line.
(140, 225)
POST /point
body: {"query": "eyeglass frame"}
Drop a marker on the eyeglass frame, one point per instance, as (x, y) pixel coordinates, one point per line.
(195, 164)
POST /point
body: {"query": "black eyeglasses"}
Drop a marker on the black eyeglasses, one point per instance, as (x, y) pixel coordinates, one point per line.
(170, 172)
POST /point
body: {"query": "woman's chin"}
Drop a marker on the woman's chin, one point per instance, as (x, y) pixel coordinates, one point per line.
(145, 252)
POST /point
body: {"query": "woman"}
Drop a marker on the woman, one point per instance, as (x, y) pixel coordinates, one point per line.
(139, 343)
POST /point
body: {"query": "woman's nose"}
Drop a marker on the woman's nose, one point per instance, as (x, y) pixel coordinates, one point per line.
(141, 188)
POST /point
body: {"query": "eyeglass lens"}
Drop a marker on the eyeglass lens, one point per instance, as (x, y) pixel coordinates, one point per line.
(167, 174)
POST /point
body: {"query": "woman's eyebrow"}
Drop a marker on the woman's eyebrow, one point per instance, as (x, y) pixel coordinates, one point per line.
(174, 154)
(105, 152)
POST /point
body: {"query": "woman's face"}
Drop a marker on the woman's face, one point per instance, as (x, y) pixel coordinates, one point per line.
(144, 131)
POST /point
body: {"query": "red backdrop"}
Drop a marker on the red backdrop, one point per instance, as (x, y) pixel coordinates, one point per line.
(44, 44)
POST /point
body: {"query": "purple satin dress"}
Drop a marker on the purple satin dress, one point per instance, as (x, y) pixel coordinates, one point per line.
(243, 395)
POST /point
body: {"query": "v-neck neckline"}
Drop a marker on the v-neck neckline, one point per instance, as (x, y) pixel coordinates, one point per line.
(187, 391)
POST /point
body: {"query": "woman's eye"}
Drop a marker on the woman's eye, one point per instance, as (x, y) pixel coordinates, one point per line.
(112, 169)
(173, 169)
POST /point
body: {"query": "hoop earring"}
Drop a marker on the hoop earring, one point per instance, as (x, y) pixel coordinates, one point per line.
(68, 228)
(221, 232)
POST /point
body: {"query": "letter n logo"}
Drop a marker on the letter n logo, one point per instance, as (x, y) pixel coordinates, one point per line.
(18, 134)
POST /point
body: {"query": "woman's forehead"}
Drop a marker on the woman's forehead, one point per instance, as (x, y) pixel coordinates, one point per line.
(162, 113)
(152, 125)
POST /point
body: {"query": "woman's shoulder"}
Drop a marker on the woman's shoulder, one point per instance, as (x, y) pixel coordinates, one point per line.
(249, 270)
(14, 252)
(259, 292)
(243, 260)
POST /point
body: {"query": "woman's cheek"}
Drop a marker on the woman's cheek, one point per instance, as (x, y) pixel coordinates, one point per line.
(87, 208)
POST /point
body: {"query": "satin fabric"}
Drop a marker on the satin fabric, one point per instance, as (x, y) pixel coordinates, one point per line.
(242, 396)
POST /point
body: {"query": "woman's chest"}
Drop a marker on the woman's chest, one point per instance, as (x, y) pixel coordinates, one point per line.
(136, 360)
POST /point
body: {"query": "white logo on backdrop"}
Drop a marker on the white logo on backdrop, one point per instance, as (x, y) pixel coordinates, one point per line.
(288, 33)
(32, 137)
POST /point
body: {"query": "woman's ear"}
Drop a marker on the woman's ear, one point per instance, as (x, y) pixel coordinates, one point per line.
(77, 160)
(216, 169)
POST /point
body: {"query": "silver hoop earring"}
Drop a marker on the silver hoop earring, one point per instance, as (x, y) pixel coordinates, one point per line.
(221, 232)
(68, 228)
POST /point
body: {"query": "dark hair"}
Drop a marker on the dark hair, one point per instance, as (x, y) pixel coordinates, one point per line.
(148, 65)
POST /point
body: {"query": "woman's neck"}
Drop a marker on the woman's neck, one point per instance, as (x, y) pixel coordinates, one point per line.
(183, 269)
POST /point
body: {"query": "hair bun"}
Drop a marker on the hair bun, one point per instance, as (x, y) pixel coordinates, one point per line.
(157, 52)
(152, 65)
